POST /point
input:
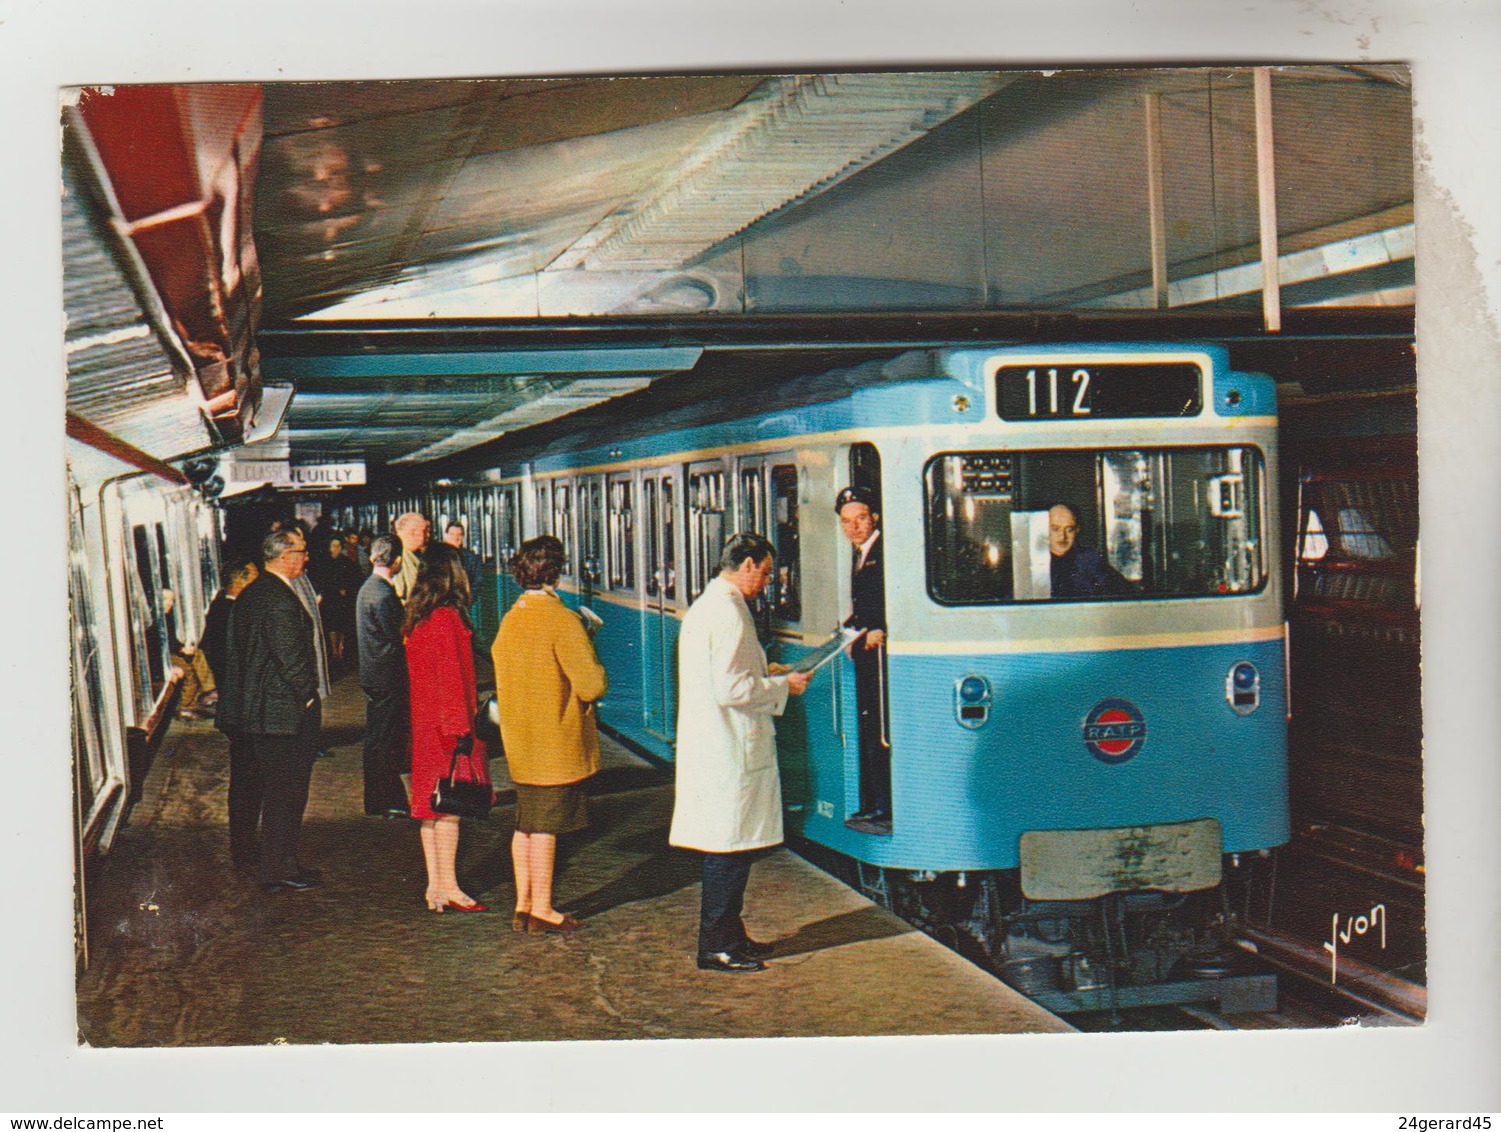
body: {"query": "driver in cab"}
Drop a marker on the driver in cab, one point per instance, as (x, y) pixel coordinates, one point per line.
(1077, 570)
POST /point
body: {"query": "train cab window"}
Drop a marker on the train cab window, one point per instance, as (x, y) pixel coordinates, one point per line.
(622, 535)
(706, 533)
(1117, 524)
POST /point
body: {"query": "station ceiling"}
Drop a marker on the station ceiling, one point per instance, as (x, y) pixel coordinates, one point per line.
(628, 221)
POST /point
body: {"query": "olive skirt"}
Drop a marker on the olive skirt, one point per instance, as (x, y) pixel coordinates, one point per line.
(551, 809)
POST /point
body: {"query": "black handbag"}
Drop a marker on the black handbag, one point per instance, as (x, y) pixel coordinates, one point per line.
(462, 797)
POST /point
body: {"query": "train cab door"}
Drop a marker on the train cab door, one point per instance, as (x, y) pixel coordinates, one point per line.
(660, 495)
(871, 789)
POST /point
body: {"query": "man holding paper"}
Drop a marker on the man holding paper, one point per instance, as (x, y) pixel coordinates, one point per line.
(729, 791)
(856, 507)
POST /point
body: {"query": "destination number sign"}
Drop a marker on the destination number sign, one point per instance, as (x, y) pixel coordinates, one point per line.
(1100, 391)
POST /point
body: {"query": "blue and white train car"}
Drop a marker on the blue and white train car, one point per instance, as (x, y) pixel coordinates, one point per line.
(1124, 742)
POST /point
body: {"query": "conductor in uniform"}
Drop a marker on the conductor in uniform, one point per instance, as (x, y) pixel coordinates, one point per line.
(271, 696)
(856, 507)
(729, 792)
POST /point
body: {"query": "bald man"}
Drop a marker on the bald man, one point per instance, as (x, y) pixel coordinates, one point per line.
(413, 530)
(1078, 571)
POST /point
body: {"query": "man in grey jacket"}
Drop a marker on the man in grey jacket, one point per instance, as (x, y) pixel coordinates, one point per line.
(383, 677)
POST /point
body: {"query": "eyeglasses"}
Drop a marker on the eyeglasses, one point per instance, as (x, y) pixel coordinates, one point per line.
(304, 553)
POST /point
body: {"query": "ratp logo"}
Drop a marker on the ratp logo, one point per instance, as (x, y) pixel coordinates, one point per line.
(1114, 731)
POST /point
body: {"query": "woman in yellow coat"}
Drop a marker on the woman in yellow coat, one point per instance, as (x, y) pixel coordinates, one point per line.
(547, 679)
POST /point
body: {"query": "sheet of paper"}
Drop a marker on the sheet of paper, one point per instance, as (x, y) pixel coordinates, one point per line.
(828, 650)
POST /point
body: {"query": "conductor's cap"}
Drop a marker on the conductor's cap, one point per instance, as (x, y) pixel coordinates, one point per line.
(854, 495)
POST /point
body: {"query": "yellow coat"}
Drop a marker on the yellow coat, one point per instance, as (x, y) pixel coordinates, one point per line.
(546, 681)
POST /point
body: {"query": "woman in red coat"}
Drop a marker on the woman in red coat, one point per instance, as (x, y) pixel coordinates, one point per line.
(441, 667)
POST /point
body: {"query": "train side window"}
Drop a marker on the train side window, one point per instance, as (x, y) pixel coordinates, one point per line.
(1357, 541)
(652, 581)
(88, 682)
(562, 521)
(657, 502)
(591, 525)
(622, 535)
(669, 539)
(706, 532)
(149, 618)
(752, 500)
(1313, 543)
(506, 526)
(787, 602)
(208, 554)
(1359, 535)
(543, 514)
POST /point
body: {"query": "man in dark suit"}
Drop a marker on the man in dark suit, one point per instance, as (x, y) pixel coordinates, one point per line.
(244, 775)
(1077, 570)
(271, 696)
(383, 676)
(453, 535)
(856, 507)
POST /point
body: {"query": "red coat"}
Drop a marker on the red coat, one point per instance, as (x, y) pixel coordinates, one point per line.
(441, 667)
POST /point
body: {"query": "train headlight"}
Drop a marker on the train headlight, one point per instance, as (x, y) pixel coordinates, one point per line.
(972, 701)
(1243, 687)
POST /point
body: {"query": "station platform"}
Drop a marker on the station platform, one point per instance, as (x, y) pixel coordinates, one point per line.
(182, 952)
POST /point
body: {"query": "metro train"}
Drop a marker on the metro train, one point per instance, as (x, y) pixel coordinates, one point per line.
(1080, 786)
(143, 564)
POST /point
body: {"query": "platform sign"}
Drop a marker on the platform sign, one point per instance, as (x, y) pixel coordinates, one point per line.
(349, 474)
(256, 472)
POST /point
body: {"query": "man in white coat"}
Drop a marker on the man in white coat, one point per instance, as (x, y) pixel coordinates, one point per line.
(729, 792)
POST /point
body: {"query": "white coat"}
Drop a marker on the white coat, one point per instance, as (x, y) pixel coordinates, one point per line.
(729, 792)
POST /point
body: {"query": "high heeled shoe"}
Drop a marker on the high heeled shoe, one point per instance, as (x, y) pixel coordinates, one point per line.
(519, 921)
(455, 906)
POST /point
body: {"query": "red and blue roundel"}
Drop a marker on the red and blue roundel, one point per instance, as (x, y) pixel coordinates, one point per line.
(1114, 730)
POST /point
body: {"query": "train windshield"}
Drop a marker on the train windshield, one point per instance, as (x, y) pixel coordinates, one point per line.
(1114, 524)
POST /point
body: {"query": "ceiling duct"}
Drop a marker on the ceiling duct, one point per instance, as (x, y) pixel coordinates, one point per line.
(567, 398)
(796, 135)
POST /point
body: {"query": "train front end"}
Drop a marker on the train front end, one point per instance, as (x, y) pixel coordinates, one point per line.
(1087, 689)
(1086, 672)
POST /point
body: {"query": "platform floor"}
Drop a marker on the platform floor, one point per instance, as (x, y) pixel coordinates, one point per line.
(184, 953)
